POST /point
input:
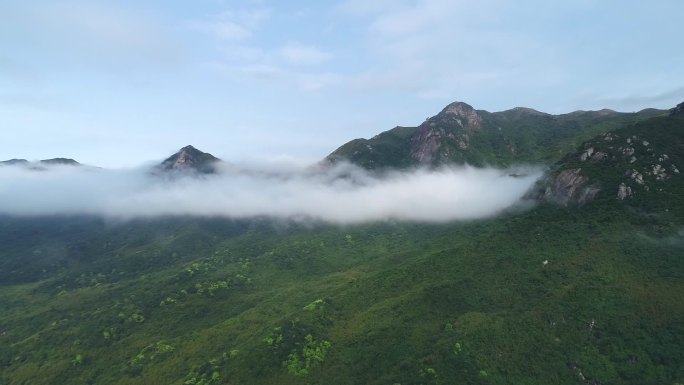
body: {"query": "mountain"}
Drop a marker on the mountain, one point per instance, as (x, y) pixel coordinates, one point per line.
(14, 162)
(460, 134)
(577, 293)
(41, 163)
(190, 159)
(637, 163)
(60, 161)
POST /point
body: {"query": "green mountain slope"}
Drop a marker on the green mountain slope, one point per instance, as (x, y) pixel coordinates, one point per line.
(185, 301)
(553, 295)
(638, 164)
(461, 134)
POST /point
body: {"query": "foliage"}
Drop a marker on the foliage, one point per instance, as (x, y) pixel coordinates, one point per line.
(312, 354)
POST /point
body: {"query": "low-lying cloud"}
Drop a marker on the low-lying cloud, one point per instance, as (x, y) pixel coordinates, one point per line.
(342, 194)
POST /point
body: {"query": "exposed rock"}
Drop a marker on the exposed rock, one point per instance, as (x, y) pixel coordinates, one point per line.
(458, 110)
(659, 172)
(586, 154)
(629, 151)
(570, 187)
(637, 177)
(624, 191)
(451, 127)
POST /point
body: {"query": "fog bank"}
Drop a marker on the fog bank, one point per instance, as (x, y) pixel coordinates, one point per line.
(342, 194)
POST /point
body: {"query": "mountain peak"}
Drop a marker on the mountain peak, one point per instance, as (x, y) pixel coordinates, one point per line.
(189, 158)
(457, 108)
(679, 109)
(461, 112)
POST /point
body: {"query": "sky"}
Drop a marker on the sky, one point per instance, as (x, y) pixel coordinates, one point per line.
(120, 83)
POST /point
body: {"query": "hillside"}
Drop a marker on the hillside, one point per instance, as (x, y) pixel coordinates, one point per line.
(461, 134)
(638, 164)
(565, 292)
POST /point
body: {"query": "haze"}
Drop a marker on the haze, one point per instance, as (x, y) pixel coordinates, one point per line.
(343, 194)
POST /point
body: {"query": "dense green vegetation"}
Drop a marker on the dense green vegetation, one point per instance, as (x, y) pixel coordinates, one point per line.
(550, 295)
(258, 302)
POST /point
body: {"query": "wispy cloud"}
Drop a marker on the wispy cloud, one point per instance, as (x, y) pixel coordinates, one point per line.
(344, 194)
(297, 53)
(232, 25)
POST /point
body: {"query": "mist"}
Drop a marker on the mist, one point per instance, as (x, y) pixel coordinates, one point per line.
(342, 194)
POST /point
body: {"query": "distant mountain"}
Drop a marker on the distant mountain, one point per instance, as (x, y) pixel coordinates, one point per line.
(60, 161)
(641, 163)
(39, 165)
(190, 159)
(461, 134)
(14, 162)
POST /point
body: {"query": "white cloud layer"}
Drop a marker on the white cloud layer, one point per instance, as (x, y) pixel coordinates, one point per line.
(343, 194)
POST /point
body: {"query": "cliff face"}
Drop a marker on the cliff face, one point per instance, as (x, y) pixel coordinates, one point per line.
(570, 187)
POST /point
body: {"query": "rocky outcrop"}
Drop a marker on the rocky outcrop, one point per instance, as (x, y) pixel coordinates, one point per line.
(679, 109)
(624, 191)
(463, 113)
(638, 160)
(451, 128)
(570, 188)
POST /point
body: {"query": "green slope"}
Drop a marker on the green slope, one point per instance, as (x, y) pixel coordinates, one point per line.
(554, 295)
(399, 303)
(519, 135)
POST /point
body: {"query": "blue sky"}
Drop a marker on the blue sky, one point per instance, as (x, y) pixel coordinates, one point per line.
(119, 83)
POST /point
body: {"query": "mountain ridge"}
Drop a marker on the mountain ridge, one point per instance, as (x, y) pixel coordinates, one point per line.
(461, 134)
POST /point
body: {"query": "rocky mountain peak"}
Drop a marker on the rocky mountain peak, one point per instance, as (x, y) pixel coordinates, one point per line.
(679, 109)
(460, 110)
(189, 158)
